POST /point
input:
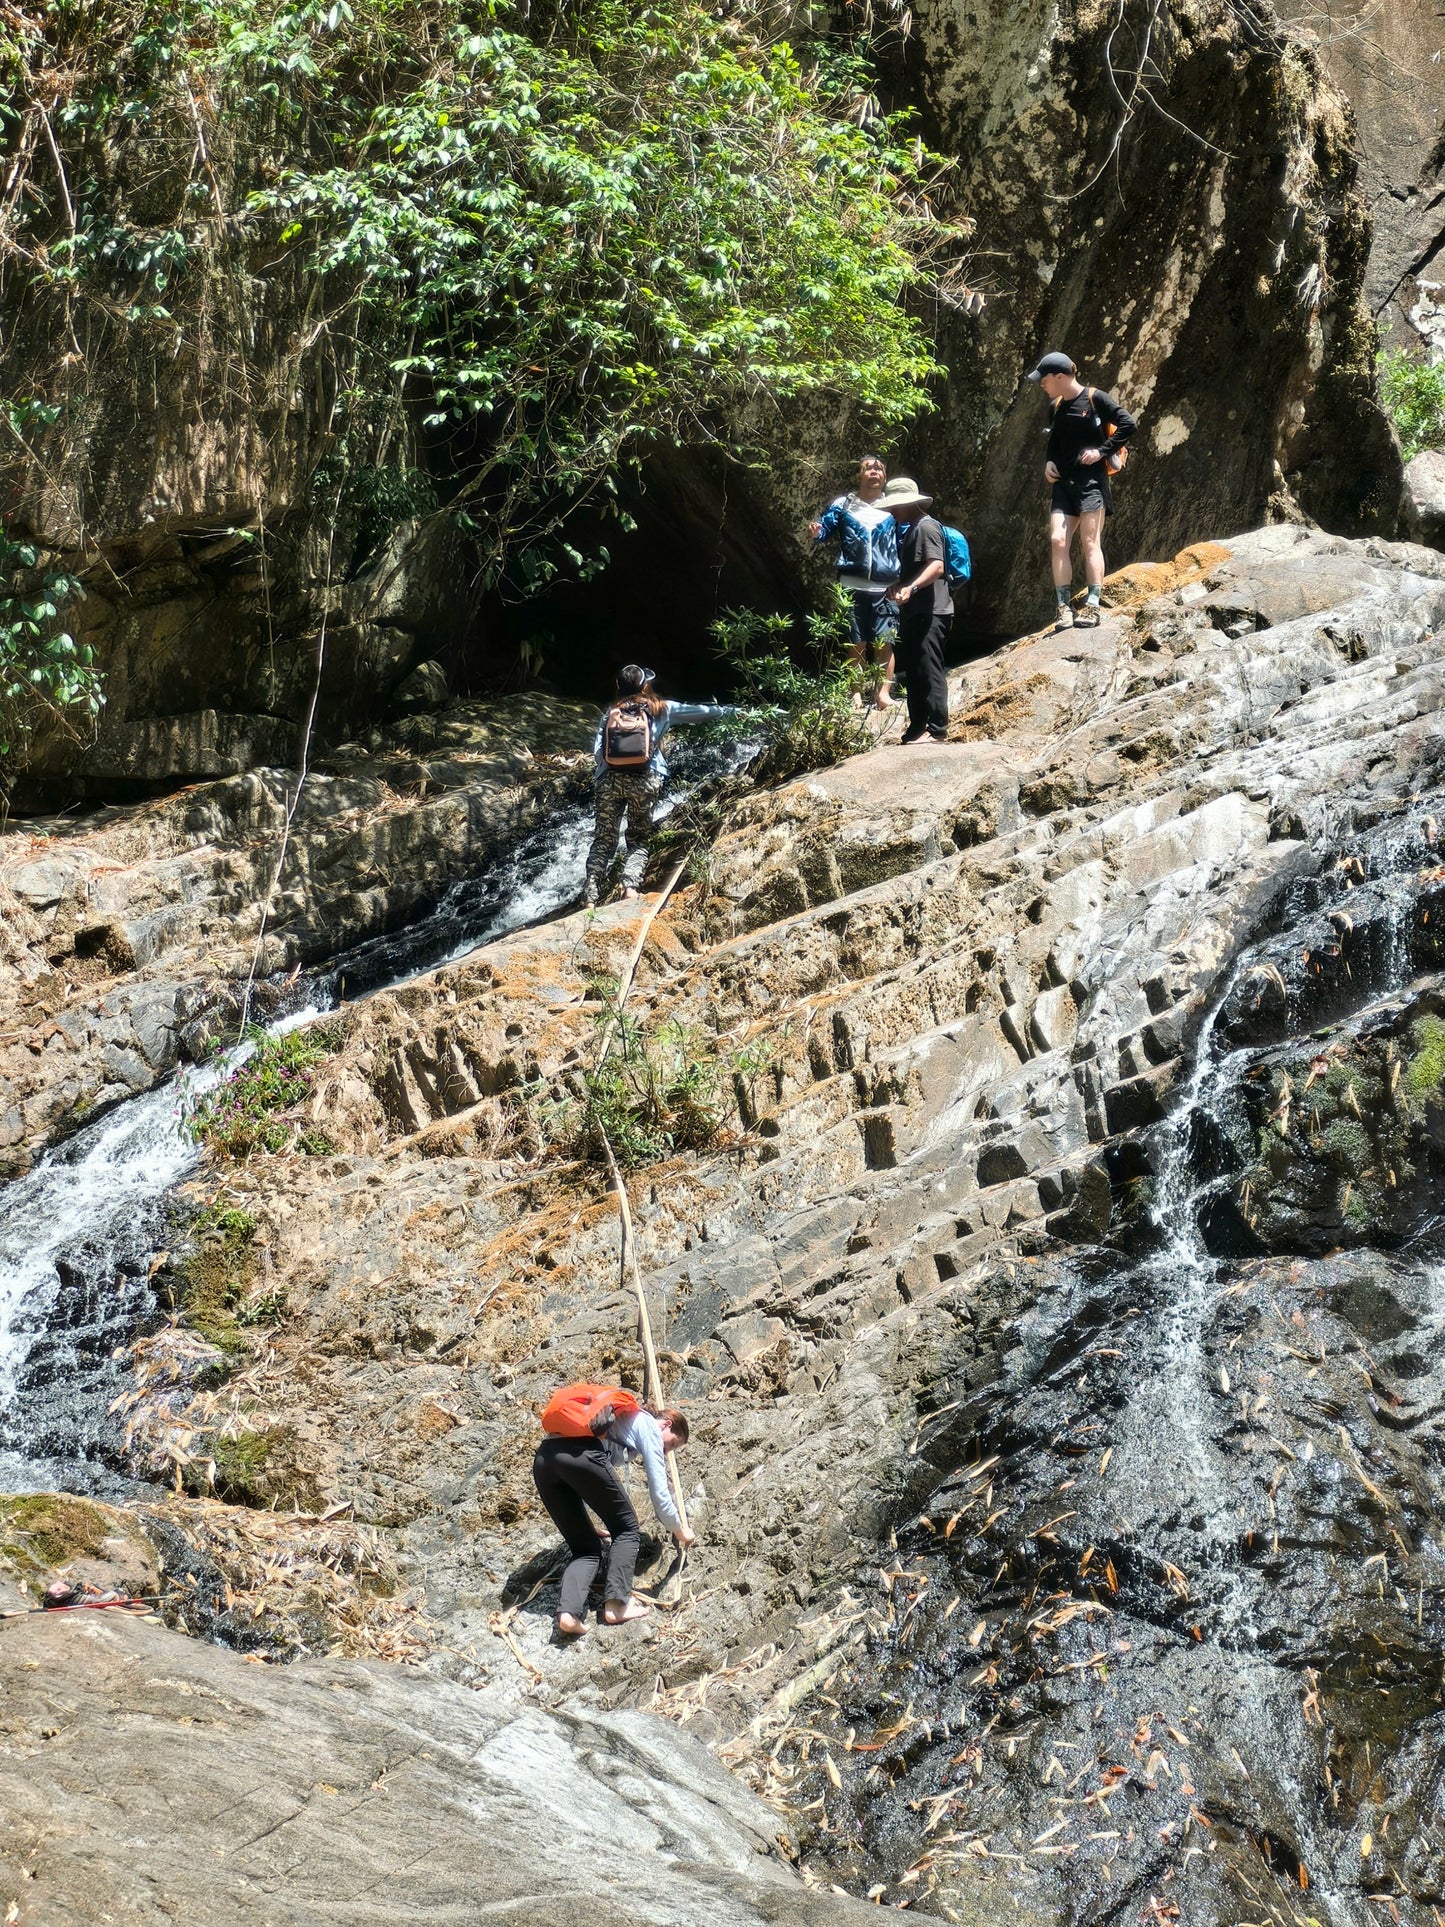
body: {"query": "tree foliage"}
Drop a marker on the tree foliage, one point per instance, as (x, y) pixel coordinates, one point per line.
(524, 243)
(43, 669)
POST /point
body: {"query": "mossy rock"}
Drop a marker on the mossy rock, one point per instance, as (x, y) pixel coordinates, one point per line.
(217, 1274)
(45, 1529)
(257, 1468)
(1425, 1071)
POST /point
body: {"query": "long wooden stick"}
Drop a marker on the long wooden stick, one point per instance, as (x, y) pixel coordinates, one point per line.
(631, 1275)
(624, 982)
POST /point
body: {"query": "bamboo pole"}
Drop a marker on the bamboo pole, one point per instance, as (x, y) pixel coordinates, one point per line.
(631, 1275)
(624, 982)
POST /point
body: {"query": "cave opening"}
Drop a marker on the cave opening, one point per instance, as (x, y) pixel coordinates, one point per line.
(706, 536)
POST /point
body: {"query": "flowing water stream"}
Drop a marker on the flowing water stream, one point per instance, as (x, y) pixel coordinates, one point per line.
(1161, 1636)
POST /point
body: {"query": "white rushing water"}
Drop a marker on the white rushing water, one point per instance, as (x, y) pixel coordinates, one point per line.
(89, 1194)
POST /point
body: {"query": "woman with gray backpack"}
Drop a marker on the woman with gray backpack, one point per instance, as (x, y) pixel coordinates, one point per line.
(632, 773)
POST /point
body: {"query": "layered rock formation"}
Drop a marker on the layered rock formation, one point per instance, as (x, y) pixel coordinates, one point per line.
(1050, 1280)
(127, 944)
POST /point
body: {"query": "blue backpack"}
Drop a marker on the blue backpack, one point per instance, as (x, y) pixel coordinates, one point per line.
(957, 562)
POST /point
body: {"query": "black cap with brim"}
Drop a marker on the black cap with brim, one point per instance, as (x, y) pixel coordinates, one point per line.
(1054, 364)
(634, 676)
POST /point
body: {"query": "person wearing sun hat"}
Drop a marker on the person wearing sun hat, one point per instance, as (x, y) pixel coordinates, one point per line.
(1087, 430)
(925, 609)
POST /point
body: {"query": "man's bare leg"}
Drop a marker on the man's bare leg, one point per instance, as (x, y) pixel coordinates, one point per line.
(1091, 541)
(1061, 542)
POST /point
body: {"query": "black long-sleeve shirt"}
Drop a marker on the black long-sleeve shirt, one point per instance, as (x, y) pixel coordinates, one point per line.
(1084, 423)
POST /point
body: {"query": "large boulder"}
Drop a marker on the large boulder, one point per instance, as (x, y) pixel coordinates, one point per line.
(1424, 499)
(149, 1778)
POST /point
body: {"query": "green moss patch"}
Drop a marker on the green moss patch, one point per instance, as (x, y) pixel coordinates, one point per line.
(1425, 1072)
(46, 1529)
(218, 1273)
(255, 1468)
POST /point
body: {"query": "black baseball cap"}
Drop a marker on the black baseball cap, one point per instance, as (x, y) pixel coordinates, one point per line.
(1054, 364)
(634, 676)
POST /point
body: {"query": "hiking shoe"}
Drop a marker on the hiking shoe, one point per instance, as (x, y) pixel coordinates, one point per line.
(1065, 617)
(1089, 615)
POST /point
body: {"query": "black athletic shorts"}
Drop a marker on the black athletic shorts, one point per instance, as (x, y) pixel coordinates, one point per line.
(1082, 498)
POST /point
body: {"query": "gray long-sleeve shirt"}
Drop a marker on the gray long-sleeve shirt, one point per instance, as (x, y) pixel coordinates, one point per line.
(640, 1437)
(671, 713)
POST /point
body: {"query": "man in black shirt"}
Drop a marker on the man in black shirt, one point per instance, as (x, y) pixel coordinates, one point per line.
(925, 609)
(1087, 429)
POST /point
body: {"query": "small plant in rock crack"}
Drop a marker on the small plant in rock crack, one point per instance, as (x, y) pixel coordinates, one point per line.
(263, 1106)
(1413, 392)
(654, 1094)
(753, 1067)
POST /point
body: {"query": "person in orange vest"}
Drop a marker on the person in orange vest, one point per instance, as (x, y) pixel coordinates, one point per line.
(590, 1431)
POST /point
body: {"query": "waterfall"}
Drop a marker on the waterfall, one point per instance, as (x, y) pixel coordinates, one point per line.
(1143, 1542)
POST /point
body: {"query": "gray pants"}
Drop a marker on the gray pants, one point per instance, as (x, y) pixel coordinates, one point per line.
(633, 793)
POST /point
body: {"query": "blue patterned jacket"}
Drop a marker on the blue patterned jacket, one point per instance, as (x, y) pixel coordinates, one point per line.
(867, 538)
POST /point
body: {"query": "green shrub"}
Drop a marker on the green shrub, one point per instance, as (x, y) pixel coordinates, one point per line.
(1413, 392)
(815, 719)
(654, 1095)
(262, 1105)
(44, 671)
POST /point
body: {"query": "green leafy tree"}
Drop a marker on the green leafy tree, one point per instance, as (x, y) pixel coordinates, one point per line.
(528, 242)
(44, 671)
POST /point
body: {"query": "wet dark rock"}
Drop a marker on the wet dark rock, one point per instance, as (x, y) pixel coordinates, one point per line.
(1166, 1638)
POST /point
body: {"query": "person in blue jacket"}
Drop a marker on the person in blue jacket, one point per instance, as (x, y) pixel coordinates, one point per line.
(867, 538)
(632, 773)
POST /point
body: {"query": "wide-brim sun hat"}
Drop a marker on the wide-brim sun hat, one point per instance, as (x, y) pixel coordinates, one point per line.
(904, 492)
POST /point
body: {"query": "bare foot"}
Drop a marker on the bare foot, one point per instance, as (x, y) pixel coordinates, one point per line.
(570, 1628)
(883, 700)
(617, 1612)
(630, 896)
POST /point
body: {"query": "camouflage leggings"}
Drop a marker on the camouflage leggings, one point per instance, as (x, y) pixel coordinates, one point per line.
(632, 793)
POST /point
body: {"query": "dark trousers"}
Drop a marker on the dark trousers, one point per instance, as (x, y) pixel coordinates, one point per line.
(571, 1475)
(918, 653)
